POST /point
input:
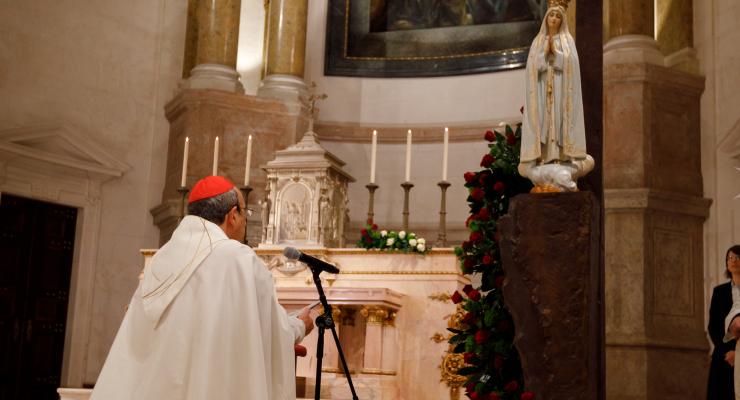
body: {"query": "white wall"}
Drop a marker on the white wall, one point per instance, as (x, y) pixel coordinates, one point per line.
(105, 68)
(717, 34)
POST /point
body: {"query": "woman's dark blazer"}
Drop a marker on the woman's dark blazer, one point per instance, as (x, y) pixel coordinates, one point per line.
(720, 385)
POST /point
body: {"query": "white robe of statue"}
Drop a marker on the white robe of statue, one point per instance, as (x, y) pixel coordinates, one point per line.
(553, 130)
(203, 324)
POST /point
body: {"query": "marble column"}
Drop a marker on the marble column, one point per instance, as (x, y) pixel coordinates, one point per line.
(675, 33)
(631, 32)
(656, 346)
(286, 50)
(372, 359)
(216, 27)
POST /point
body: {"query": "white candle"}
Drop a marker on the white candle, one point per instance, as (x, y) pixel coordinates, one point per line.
(249, 161)
(444, 154)
(408, 156)
(373, 150)
(215, 157)
(185, 162)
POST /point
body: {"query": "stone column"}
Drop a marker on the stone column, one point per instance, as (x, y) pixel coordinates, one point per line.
(631, 32)
(216, 27)
(675, 33)
(389, 358)
(286, 49)
(375, 316)
(654, 214)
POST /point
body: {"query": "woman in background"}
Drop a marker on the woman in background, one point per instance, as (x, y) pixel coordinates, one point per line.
(720, 385)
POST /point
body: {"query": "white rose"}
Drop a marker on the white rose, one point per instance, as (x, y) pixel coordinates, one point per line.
(422, 241)
(420, 247)
(383, 233)
(401, 234)
(389, 242)
(412, 235)
(412, 242)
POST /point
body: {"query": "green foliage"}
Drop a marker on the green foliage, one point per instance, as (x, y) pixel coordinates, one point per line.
(487, 332)
(372, 238)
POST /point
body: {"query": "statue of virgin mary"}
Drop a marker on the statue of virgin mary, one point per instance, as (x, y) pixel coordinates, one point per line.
(553, 151)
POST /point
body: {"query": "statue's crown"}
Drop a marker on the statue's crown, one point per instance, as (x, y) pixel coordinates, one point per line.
(561, 3)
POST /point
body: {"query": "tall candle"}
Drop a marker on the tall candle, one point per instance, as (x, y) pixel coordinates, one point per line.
(249, 161)
(444, 154)
(215, 157)
(408, 156)
(373, 151)
(185, 163)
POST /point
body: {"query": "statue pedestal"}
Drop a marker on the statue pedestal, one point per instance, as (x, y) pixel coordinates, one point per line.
(550, 254)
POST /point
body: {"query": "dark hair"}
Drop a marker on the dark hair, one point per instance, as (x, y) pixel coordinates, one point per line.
(734, 250)
(215, 208)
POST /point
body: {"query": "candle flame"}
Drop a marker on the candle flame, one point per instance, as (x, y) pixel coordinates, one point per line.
(187, 139)
(447, 129)
(375, 132)
(409, 131)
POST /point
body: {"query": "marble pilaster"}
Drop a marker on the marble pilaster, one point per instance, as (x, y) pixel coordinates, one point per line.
(654, 215)
(631, 32)
(374, 317)
(286, 50)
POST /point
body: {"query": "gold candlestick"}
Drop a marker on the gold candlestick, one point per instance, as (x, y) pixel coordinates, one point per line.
(371, 187)
(442, 235)
(183, 190)
(406, 189)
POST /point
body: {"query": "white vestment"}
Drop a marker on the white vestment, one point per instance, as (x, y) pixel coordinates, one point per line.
(204, 324)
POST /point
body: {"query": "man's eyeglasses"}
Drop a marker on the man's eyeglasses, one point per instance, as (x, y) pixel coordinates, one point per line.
(248, 210)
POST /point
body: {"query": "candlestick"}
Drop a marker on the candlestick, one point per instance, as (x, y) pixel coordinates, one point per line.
(408, 156)
(249, 161)
(183, 190)
(371, 187)
(445, 152)
(215, 157)
(442, 235)
(406, 189)
(185, 162)
(373, 150)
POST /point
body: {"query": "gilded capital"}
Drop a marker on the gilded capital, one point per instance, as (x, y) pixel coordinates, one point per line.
(374, 315)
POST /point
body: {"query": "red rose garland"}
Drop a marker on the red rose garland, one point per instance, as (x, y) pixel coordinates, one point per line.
(486, 337)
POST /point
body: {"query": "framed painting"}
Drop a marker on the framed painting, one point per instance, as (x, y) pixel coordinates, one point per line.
(415, 38)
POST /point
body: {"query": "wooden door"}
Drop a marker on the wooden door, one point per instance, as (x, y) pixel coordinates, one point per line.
(36, 250)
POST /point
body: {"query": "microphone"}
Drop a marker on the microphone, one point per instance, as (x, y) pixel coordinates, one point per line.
(291, 253)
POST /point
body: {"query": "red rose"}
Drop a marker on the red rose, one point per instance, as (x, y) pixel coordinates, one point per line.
(521, 110)
(477, 194)
(474, 396)
(470, 387)
(469, 177)
(368, 239)
(483, 176)
(503, 326)
(474, 295)
(499, 282)
(483, 214)
(527, 396)
(490, 136)
(469, 319)
(468, 263)
(470, 218)
(466, 245)
(456, 297)
(369, 221)
(499, 186)
(467, 288)
(476, 237)
(487, 160)
(498, 362)
(510, 139)
(468, 357)
(487, 259)
(511, 386)
(374, 227)
(481, 337)
(494, 396)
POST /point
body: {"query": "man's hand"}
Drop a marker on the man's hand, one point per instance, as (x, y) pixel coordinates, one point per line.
(730, 357)
(735, 327)
(305, 316)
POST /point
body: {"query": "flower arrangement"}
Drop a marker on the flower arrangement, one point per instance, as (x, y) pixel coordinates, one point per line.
(372, 238)
(485, 339)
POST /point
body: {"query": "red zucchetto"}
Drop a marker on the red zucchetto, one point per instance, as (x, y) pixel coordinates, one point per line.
(209, 186)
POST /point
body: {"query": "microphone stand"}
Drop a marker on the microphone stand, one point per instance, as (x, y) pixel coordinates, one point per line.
(323, 322)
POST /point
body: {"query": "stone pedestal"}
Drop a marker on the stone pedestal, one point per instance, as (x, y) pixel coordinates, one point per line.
(202, 115)
(550, 255)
